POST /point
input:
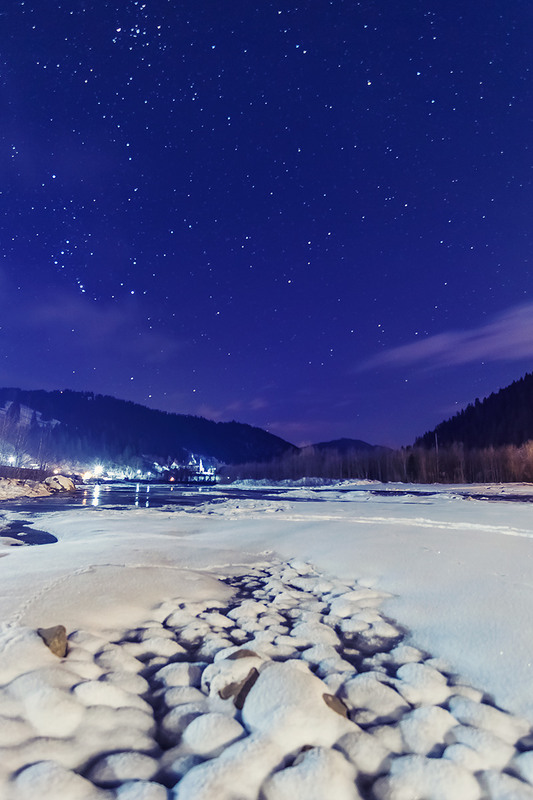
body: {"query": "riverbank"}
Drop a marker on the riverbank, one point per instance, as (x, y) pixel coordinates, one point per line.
(14, 488)
(269, 681)
(450, 574)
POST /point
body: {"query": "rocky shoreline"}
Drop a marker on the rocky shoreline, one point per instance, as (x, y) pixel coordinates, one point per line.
(14, 488)
(298, 687)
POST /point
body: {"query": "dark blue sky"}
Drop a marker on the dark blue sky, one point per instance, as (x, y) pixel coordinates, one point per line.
(315, 218)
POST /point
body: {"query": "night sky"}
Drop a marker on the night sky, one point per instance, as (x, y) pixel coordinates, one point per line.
(315, 218)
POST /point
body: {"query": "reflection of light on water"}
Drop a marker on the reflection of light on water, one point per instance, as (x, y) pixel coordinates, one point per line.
(137, 498)
(96, 496)
(84, 501)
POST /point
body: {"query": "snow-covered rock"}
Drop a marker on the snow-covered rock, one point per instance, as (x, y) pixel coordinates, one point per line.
(317, 774)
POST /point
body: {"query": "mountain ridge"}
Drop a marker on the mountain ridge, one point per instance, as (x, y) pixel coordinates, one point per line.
(93, 425)
(502, 418)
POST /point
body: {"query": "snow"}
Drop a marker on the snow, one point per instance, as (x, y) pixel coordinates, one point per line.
(354, 634)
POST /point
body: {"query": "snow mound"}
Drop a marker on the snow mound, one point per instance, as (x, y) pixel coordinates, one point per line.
(119, 767)
(316, 774)
(418, 778)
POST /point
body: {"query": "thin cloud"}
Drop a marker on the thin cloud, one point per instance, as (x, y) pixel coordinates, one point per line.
(508, 337)
(78, 326)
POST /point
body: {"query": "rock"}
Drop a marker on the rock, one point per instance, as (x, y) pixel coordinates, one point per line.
(55, 639)
(245, 687)
(493, 752)
(419, 778)
(50, 781)
(365, 752)
(226, 677)
(500, 786)
(59, 483)
(373, 700)
(209, 733)
(117, 767)
(479, 715)
(105, 693)
(141, 790)
(180, 674)
(174, 723)
(523, 766)
(422, 685)
(286, 702)
(426, 727)
(242, 653)
(316, 773)
(336, 704)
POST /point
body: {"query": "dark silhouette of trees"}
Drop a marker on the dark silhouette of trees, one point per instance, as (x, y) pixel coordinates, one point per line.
(82, 426)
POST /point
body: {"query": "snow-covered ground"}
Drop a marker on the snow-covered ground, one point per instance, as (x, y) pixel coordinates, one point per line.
(377, 654)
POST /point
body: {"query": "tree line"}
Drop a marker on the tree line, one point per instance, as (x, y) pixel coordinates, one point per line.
(453, 463)
(503, 418)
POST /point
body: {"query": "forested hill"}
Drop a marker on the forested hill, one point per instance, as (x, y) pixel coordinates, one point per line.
(345, 446)
(505, 417)
(93, 425)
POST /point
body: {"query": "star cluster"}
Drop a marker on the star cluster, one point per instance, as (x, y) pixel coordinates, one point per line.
(239, 209)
